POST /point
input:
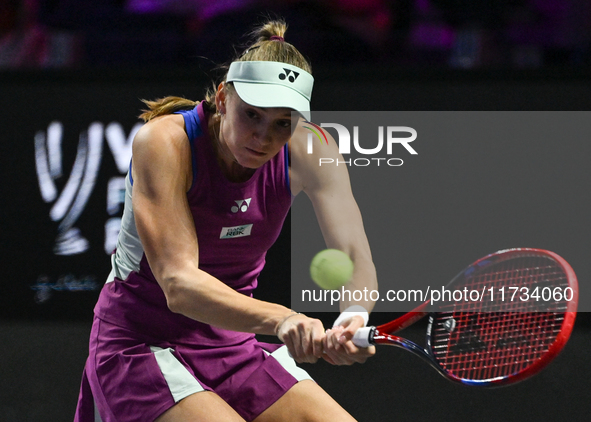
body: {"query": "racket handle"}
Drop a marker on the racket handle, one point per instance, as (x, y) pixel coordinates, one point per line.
(362, 337)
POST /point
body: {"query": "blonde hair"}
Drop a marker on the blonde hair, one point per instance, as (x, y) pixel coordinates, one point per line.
(268, 45)
(166, 105)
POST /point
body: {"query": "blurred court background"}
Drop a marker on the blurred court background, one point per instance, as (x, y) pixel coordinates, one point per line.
(72, 73)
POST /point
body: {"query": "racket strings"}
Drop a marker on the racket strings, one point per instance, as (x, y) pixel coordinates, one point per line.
(504, 334)
(527, 285)
(493, 347)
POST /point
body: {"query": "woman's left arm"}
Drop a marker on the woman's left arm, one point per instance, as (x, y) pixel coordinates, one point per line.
(340, 221)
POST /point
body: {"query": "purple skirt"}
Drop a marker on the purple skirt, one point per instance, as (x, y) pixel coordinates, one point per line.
(131, 376)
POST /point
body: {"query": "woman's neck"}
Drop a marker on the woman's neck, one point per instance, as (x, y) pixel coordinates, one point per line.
(231, 169)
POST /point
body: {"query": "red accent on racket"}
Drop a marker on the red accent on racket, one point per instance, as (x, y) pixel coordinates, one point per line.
(494, 342)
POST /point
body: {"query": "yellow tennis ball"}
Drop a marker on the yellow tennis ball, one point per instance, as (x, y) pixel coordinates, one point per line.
(331, 269)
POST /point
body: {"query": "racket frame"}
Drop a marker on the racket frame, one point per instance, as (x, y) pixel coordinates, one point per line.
(384, 334)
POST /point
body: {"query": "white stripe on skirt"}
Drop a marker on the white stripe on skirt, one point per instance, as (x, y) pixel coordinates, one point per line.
(180, 381)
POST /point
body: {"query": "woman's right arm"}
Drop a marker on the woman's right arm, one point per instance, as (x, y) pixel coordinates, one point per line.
(162, 175)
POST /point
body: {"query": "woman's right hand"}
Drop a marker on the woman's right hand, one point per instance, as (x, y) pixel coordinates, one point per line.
(303, 337)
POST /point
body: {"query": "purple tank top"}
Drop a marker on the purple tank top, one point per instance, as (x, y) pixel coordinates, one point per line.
(236, 224)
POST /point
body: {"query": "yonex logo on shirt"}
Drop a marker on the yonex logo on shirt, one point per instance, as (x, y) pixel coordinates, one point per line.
(241, 205)
(236, 231)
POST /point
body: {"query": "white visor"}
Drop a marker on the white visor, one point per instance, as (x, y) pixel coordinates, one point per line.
(272, 84)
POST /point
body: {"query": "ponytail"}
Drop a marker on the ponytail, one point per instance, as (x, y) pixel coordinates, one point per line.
(167, 105)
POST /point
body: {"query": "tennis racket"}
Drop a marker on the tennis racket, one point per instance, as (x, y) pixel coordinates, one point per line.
(517, 324)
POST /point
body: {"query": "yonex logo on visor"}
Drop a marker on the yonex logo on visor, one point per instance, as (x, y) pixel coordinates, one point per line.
(272, 84)
(290, 78)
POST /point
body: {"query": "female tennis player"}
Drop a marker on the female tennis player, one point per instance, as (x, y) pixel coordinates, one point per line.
(209, 187)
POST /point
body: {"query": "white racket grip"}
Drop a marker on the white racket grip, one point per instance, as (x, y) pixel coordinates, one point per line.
(361, 337)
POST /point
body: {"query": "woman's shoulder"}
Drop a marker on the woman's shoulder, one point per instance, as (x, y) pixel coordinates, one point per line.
(163, 130)
(161, 146)
(163, 136)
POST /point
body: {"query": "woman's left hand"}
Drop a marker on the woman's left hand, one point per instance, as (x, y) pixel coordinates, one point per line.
(338, 347)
